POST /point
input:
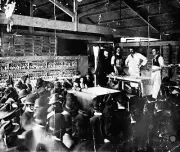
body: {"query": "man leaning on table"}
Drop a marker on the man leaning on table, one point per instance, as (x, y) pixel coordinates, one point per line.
(134, 61)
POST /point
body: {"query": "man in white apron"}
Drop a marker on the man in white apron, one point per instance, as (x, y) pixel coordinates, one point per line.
(134, 61)
(157, 65)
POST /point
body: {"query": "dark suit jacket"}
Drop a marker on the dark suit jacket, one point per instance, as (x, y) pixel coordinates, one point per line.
(40, 137)
(96, 123)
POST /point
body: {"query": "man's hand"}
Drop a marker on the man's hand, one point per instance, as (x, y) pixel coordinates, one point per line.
(116, 71)
(139, 66)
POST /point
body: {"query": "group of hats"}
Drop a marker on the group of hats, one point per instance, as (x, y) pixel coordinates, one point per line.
(7, 112)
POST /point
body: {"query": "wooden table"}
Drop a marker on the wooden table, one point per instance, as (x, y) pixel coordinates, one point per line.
(145, 83)
(86, 96)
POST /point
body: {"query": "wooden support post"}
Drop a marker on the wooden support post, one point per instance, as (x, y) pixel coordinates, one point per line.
(31, 29)
(63, 8)
(75, 8)
(170, 73)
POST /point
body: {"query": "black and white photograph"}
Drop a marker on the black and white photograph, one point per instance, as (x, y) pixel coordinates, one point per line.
(89, 76)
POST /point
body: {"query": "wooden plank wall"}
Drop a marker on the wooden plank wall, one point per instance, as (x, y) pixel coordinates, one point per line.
(28, 45)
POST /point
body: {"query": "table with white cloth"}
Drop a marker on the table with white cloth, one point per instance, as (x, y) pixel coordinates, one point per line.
(145, 83)
(85, 96)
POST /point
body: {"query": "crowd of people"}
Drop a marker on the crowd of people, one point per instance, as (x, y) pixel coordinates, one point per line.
(48, 117)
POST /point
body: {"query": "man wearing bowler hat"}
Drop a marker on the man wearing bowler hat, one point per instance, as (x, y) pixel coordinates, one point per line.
(27, 119)
(56, 125)
(8, 126)
(82, 126)
(70, 110)
(55, 102)
(22, 95)
(97, 123)
(38, 134)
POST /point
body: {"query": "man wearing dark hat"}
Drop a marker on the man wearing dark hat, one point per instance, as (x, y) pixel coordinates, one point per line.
(104, 67)
(26, 82)
(82, 126)
(97, 123)
(116, 121)
(55, 102)
(9, 92)
(39, 83)
(23, 84)
(76, 85)
(22, 95)
(56, 124)
(58, 86)
(37, 134)
(8, 134)
(8, 124)
(71, 104)
(117, 61)
(27, 119)
(9, 82)
(41, 101)
(55, 105)
(70, 110)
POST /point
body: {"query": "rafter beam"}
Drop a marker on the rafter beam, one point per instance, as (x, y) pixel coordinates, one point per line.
(72, 36)
(57, 16)
(134, 18)
(105, 11)
(63, 8)
(92, 11)
(92, 4)
(59, 25)
(117, 20)
(142, 15)
(155, 2)
(42, 5)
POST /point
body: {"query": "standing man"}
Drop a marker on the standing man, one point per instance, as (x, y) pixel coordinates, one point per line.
(157, 65)
(104, 68)
(117, 61)
(134, 61)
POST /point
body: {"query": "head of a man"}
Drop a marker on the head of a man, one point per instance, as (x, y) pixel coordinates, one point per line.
(154, 52)
(106, 54)
(30, 107)
(131, 50)
(118, 50)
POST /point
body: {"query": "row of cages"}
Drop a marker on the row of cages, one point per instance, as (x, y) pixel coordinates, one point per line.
(51, 74)
(22, 65)
(46, 67)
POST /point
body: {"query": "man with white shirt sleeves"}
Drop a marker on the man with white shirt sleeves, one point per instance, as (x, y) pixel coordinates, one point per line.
(134, 61)
(157, 65)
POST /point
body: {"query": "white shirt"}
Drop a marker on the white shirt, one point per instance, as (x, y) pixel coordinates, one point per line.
(134, 62)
